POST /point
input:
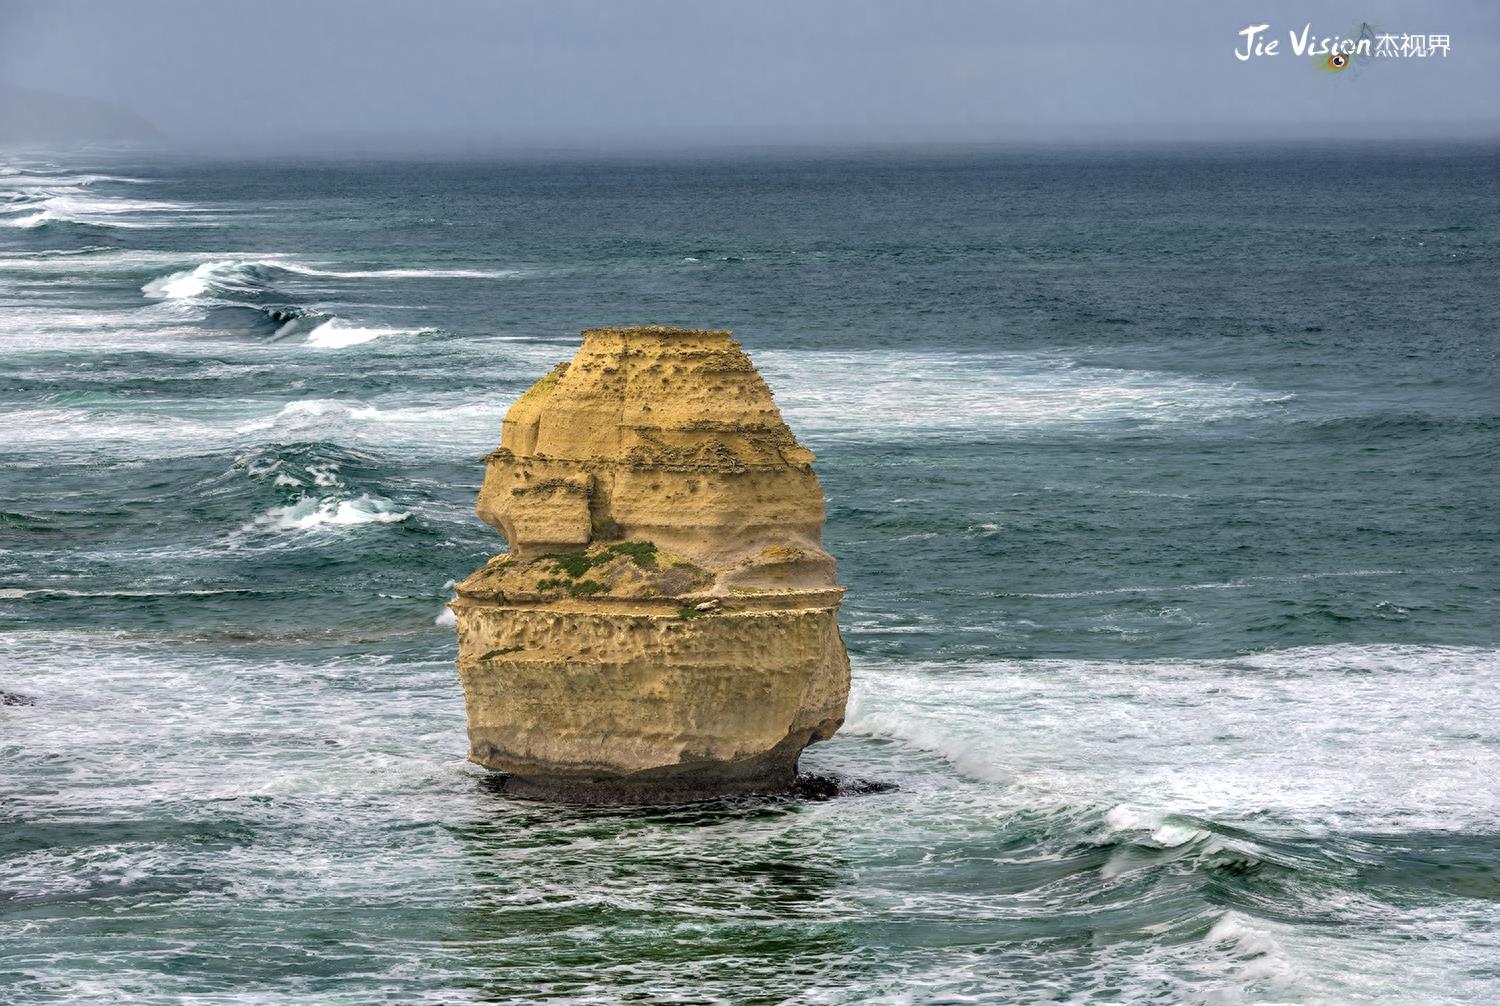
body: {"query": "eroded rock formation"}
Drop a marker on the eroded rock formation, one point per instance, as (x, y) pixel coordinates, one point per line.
(665, 624)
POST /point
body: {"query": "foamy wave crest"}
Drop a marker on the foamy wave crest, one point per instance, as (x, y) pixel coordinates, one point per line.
(18, 178)
(319, 419)
(307, 270)
(1262, 958)
(311, 413)
(224, 290)
(253, 284)
(232, 277)
(95, 259)
(863, 717)
(210, 279)
(336, 333)
(459, 424)
(330, 512)
(238, 294)
(1163, 834)
(78, 207)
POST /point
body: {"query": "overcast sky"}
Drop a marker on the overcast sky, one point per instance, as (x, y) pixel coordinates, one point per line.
(492, 74)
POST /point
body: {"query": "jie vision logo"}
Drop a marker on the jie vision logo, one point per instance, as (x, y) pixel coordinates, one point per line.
(1336, 53)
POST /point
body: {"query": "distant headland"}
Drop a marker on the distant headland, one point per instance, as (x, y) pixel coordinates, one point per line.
(29, 116)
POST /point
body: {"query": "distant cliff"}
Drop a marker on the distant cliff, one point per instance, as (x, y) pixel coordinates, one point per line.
(28, 116)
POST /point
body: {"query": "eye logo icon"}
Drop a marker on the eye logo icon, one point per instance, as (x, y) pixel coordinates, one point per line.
(1337, 61)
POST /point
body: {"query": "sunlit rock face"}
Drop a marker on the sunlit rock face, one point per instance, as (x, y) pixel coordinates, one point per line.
(665, 624)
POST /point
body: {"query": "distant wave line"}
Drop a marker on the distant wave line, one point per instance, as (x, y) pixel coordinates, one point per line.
(1229, 584)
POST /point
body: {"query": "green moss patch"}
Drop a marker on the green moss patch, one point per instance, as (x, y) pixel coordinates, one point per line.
(575, 564)
(624, 569)
(642, 553)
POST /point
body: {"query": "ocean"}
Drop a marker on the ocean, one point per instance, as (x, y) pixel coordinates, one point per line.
(1162, 480)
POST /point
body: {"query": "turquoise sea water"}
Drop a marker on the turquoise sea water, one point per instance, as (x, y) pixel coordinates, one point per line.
(1163, 484)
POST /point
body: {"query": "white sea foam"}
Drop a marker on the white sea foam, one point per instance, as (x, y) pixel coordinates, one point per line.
(331, 512)
(407, 273)
(1127, 818)
(53, 326)
(231, 275)
(451, 425)
(969, 759)
(95, 259)
(193, 282)
(241, 281)
(1310, 735)
(80, 207)
(890, 394)
(325, 474)
(326, 749)
(1261, 958)
(466, 427)
(338, 334)
(94, 428)
(185, 298)
(17, 178)
(314, 416)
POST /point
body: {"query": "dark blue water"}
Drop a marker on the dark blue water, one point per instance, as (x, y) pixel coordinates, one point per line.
(1162, 481)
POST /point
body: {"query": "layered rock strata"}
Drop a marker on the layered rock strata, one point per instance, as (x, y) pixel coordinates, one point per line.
(665, 624)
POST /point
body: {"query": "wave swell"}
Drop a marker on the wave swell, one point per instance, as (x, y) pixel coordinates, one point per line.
(251, 293)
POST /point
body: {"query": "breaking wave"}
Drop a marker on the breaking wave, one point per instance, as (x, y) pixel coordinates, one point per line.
(306, 270)
(336, 334)
(238, 295)
(229, 277)
(259, 285)
(330, 511)
(316, 485)
(76, 207)
(33, 198)
(20, 178)
(232, 280)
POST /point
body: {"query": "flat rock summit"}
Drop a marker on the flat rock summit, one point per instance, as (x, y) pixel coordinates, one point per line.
(664, 626)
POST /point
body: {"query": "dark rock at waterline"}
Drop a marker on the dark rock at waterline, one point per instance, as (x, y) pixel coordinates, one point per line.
(825, 787)
(15, 699)
(806, 786)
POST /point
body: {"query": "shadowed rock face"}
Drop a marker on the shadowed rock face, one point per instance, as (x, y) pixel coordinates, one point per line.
(665, 625)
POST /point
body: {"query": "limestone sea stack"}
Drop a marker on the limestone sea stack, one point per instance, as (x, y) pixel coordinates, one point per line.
(665, 624)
